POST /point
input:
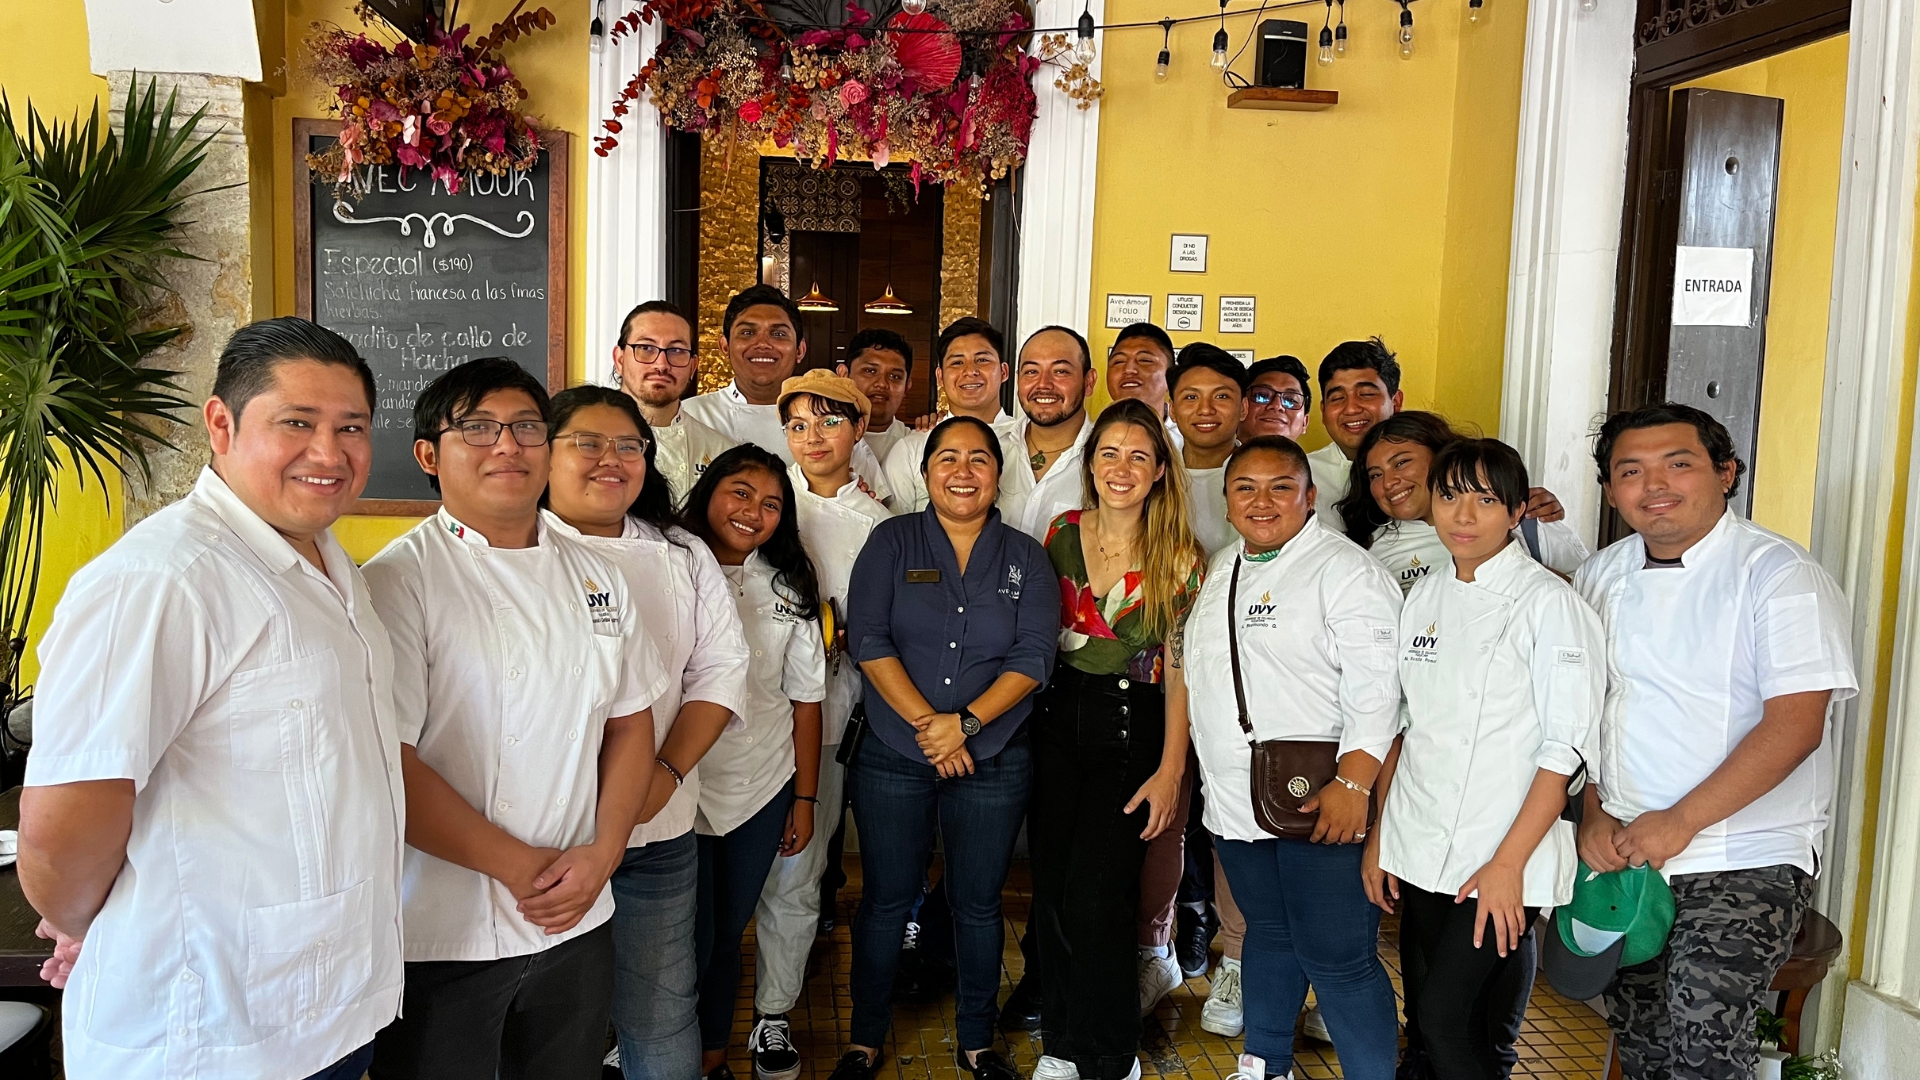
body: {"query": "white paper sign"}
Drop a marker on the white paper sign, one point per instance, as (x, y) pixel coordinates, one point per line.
(1184, 310)
(1245, 356)
(1189, 254)
(1125, 309)
(1713, 286)
(1236, 314)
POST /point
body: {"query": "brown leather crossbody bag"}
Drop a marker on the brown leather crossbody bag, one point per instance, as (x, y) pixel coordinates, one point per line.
(1286, 772)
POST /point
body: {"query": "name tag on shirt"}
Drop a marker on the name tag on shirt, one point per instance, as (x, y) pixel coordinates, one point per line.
(923, 577)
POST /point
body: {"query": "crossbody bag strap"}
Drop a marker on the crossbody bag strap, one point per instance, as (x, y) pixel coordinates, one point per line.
(1233, 649)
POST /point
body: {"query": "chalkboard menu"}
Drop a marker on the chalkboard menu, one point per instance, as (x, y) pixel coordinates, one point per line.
(421, 280)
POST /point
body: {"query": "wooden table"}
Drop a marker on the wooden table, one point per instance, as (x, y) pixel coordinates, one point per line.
(21, 953)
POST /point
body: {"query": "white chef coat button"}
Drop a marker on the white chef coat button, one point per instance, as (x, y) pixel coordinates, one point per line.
(749, 740)
(181, 1032)
(571, 606)
(756, 652)
(1484, 648)
(1472, 694)
(211, 538)
(511, 740)
(562, 800)
(673, 637)
(573, 735)
(313, 1014)
(576, 671)
(1124, 684)
(513, 673)
(503, 806)
(294, 704)
(949, 682)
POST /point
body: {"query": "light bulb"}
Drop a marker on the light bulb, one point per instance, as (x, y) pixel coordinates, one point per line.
(1326, 46)
(1160, 65)
(1473, 10)
(1083, 47)
(1406, 34)
(1340, 40)
(913, 7)
(1219, 60)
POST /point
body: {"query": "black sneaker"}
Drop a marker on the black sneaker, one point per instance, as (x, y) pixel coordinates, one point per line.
(721, 1072)
(986, 1065)
(771, 1045)
(854, 1065)
(1022, 1010)
(1195, 926)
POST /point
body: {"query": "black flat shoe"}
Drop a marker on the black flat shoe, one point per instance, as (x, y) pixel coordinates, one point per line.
(1022, 1010)
(1195, 928)
(986, 1065)
(854, 1065)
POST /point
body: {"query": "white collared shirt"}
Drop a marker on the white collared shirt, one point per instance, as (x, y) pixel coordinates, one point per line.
(1332, 473)
(1503, 676)
(1410, 550)
(750, 764)
(738, 420)
(910, 488)
(1317, 626)
(686, 608)
(834, 530)
(508, 663)
(1207, 509)
(254, 929)
(1695, 651)
(1031, 505)
(883, 441)
(683, 450)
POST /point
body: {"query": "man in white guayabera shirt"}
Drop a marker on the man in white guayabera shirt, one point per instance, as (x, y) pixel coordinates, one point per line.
(213, 811)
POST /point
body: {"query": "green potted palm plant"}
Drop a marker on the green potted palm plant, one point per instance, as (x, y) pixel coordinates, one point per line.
(89, 222)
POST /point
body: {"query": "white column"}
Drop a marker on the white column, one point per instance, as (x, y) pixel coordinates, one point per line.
(626, 192)
(1056, 202)
(1569, 187)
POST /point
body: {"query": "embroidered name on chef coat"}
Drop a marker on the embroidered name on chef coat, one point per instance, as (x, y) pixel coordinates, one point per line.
(783, 612)
(1425, 645)
(1260, 613)
(606, 616)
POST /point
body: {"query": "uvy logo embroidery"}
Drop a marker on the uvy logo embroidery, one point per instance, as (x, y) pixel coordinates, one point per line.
(1425, 646)
(1260, 613)
(600, 605)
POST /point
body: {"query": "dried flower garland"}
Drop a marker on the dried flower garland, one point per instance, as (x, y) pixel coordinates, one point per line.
(947, 88)
(443, 105)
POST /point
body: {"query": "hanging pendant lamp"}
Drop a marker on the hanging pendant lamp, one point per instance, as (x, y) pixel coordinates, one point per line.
(816, 301)
(887, 303)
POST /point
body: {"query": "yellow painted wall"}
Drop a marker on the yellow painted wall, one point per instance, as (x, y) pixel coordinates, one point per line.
(1389, 213)
(1813, 81)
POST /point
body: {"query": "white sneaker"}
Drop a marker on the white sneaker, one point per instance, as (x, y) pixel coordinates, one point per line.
(1159, 975)
(1253, 1068)
(1222, 1014)
(1135, 1074)
(1315, 1025)
(1053, 1068)
(612, 1060)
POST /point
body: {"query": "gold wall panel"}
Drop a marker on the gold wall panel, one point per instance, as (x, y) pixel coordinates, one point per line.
(729, 244)
(960, 257)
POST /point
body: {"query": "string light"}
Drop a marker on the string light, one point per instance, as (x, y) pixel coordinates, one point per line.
(1083, 48)
(1220, 41)
(1166, 50)
(1406, 31)
(1340, 32)
(1326, 37)
(1473, 10)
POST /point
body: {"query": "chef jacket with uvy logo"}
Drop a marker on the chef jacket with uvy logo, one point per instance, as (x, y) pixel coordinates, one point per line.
(834, 530)
(508, 662)
(1503, 676)
(751, 763)
(255, 928)
(1695, 651)
(686, 608)
(683, 449)
(1317, 622)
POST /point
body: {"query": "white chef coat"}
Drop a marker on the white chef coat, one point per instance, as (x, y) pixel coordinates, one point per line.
(1332, 473)
(686, 608)
(507, 664)
(834, 530)
(1410, 550)
(910, 488)
(1031, 505)
(883, 440)
(738, 420)
(254, 930)
(683, 450)
(1503, 676)
(750, 764)
(1318, 626)
(1694, 652)
(1207, 509)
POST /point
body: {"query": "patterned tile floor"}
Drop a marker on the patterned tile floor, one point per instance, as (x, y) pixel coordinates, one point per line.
(1561, 1039)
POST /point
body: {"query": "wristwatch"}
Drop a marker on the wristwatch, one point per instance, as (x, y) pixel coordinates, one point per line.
(969, 723)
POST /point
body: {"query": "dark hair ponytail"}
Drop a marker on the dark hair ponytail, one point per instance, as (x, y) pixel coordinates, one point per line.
(793, 573)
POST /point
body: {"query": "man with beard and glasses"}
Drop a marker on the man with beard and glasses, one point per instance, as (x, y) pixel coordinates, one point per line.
(654, 363)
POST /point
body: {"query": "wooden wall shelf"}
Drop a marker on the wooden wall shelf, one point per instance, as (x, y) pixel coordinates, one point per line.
(1273, 97)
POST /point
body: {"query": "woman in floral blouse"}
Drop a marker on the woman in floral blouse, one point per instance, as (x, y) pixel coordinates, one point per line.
(1110, 751)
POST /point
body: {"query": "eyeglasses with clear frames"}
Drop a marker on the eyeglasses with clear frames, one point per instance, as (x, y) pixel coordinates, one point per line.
(1291, 401)
(828, 426)
(594, 445)
(487, 432)
(646, 352)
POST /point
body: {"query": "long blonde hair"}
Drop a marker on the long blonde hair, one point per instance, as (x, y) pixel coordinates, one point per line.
(1169, 550)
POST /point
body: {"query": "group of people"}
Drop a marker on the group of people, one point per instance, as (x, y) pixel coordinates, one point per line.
(531, 772)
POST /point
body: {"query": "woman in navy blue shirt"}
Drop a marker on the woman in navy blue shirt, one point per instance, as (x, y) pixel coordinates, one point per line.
(953, 617)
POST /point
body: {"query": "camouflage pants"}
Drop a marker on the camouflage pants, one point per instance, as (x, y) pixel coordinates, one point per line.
(1688, 1014)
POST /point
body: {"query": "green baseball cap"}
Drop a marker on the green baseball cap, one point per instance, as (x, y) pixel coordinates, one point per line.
(1616, 920)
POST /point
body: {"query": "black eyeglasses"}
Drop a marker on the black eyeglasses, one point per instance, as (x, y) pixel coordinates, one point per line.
(593, 444)
(1290, 400)
(487, 432)
(676, 356)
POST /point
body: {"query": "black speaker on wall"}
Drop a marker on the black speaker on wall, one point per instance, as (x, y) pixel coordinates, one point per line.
(1280, 59)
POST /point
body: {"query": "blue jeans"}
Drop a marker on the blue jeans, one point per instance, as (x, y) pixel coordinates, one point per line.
(733, 870)
(351, 1067)
(655, 983)
(1308, 921)
(897, 804)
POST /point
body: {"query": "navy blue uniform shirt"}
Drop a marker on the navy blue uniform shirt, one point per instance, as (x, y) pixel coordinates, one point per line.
(955, 634)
